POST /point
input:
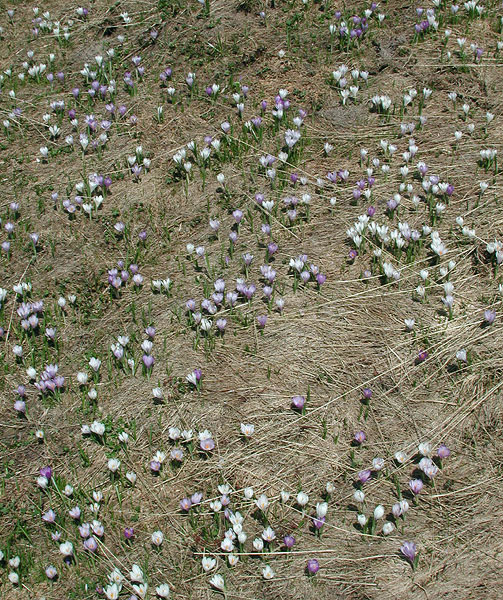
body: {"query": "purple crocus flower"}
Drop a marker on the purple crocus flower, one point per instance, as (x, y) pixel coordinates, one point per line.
(318, 522)
(46, 472)
(289, 541)
(155, 466)
(272, 248)
(91, 544)
(207, 445)
(221, 324)
(409, 550)
(267, 289)
(238, 215)
(313, 566)
(128, 533)
(261, 320)
(416, 485)
(196, 498)
(249, 290)
(20, 406)
(489, 316)
(360, 437)
(49, 516)
(443, 451)
(367, 393)
(148, 360)
(185, 504)
(247, 259)
(298, 402)
(422, 356)
(391, 204)
(364, 476)
(74, 513)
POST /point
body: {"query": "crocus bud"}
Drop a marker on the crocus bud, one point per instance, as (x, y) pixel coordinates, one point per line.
(378, 512)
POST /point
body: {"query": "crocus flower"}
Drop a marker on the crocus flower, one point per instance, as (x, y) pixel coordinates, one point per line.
(185, 504)
(360, 437)
(49, 516)
(66, 549)
(91, 544)
(163, 590)
(422, 356)
(262, 502)
(302, 498)
(148, 360)
(428, 467)
(46, 472)
(74, 513)
(489, 316)
(364, 476)
(20, 406)
(196, 498)
(155, 466)
(443, 451)
(247, 429)
(267, 572)
(217, 581)
(261, 321)
(313, 566)
(157, 538)
(298, 402)
(416, 485)
(409, 550)
(207, 445)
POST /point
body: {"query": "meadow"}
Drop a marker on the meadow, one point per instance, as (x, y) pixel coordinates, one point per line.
(250, 300)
